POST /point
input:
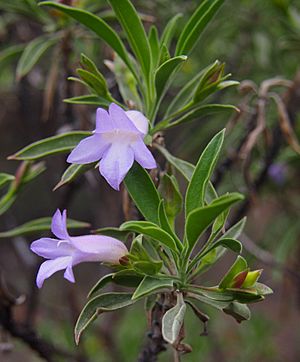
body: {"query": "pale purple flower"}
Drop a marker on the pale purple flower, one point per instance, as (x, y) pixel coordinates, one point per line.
(117, 141)
(67, 251)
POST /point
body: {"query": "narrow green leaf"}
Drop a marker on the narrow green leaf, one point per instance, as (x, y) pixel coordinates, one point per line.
(150, 229)
(41, 224)
(169, 30)
(227, 243)
(72, 172)
(199, 219)
(5, 178)
(240, 312)
(150, 285)
(143, 192)
(127, 278)
(218, 304)
(10, 53)
(186, 93)
(154, 45)
(90, 99)
(239, 265)
(100, 304)
(98, 26)
(196, 190)
(164, 73)
(94, 82)
(33, 52)
(61, 143)
(173, 319)
(196, 24)
(196, 112)
(134, 31)
(235, 231)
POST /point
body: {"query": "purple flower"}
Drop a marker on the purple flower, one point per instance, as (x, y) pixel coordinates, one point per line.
(67, 251)
(117, 141)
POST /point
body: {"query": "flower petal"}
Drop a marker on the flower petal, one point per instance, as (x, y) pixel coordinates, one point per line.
(97, 248)
(142, 154)
(120, 119)
(68, 274)
(51, 248)
(50, 267)
(139, 120)
(115, 164)
(59, 224)
(103, 121)
(89, 150)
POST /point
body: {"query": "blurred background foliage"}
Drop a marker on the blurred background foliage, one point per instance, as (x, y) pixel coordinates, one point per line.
(258, 40)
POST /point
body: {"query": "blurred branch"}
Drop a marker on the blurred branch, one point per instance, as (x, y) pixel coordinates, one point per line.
(27, 334)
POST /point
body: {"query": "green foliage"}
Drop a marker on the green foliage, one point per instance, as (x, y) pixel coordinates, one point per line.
(173, 320)
(38, 225)
(143, 192)
(103, 303)
(61, 143)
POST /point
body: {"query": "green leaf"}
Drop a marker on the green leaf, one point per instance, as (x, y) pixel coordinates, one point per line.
(150, 229)
(236, 230)
(169, 190)
(232, 244)
(186, 93)
(98, 26)
(127, 84)
(96, 83)
(164, 73)
(196, 24)
(150, 285)
(72, 172)
(212, 293)
(134, 31)
(41, 224)
(196, 190)
(90, 66)
(5, 178)
(25, 173)
(61, 143)
(154, 45)
(251, 278)
(196, 112)
(143, 192)
(10, 53)
(113, 232)
(169, 30)
(148, 267)
(262, 289)
(100, 304)
(173, 319)
(218, 304)
(199, 219)
(90, 99)
(240, 312)
(33, 52)
(127, 278)
(239, 265)
(184, 167)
